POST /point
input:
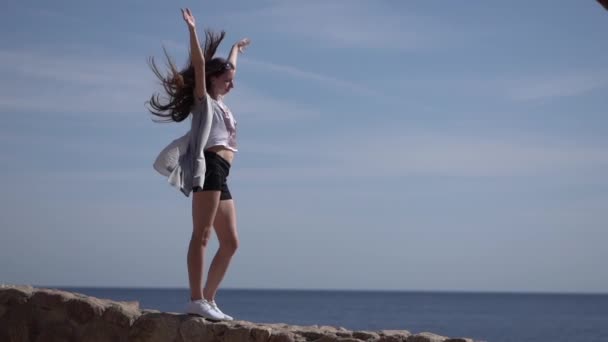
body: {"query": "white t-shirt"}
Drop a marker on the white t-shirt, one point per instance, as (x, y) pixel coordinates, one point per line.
(223, 127)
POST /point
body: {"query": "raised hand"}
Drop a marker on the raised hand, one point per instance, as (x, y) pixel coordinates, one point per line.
(242, 44)
(188, 17)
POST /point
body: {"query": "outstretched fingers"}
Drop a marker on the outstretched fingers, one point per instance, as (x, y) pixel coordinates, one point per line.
(188, 17)
(243, 43)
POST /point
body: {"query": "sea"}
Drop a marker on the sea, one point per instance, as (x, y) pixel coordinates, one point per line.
(491, 317)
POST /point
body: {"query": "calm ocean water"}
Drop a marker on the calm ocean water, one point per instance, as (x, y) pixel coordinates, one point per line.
(492, 317)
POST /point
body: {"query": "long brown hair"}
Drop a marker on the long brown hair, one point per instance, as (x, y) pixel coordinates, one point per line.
(178, 85)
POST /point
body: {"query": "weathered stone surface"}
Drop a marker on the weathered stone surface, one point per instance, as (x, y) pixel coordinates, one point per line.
(14, 331)
(366, 335)
(195, 329)
(16, 325)
(394, 335)
(261, 334)
(11, 295)
(344, 333)
(155, 328)
(328, 329)
(328, 338)
(56, 332)
(40, 317)
(237, 334)
(219, 329)
(349, 339)
(309, 333)
(35, 315)
(277, 326)
(102, 331)
(85, 309)
(50, 299)
(123, 314)
(282, 336)
(426, 337)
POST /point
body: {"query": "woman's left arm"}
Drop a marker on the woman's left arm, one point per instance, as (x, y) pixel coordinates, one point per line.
(238, 47)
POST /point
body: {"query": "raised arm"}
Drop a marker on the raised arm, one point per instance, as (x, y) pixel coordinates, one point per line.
(238, 47)
(196, 54)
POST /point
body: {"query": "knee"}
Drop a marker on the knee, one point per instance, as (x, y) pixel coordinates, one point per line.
(201, 236)
(230, 245)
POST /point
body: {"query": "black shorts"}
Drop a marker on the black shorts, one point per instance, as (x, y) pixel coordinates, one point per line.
(216, 174)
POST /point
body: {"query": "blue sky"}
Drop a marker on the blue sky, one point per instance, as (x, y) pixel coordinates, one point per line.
(398, 145)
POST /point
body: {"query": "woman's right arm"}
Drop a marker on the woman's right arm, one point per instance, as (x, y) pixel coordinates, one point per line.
(196, 54)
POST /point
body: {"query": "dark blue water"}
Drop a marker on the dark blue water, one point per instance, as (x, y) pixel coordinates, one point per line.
(492, 317)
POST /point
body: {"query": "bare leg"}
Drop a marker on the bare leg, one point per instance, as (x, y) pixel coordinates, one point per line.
(204, 208)
(225, 228)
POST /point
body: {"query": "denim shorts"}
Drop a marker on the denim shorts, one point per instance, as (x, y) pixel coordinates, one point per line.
(216, 175)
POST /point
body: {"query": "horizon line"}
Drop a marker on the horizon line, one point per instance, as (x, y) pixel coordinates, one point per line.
(295, 289)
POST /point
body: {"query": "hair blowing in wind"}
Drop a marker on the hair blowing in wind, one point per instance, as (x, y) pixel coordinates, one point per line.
(175, 103)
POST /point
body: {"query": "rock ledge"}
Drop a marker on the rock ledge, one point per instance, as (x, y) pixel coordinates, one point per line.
(36, 314)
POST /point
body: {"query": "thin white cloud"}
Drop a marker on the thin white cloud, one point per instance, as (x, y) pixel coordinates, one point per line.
(79, 70)
(435, 155)
(324, 80)
(45, 82)
(530, 86)
(358, 24)
(91, 101)
(431, 154)
(249, 104)
(562, 84)
(287, 70)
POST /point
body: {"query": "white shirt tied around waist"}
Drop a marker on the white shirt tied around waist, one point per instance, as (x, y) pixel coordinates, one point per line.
(183, 160)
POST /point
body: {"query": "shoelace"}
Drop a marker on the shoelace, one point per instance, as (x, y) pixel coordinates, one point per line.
(206, 302)
(214, 305)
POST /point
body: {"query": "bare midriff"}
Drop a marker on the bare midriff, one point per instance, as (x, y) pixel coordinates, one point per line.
(223, 152)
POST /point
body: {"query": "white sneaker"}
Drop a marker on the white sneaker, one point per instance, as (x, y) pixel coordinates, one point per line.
(204, 309)
(214, 306)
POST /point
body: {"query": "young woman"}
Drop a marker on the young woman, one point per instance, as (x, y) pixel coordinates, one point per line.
(199, 162)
